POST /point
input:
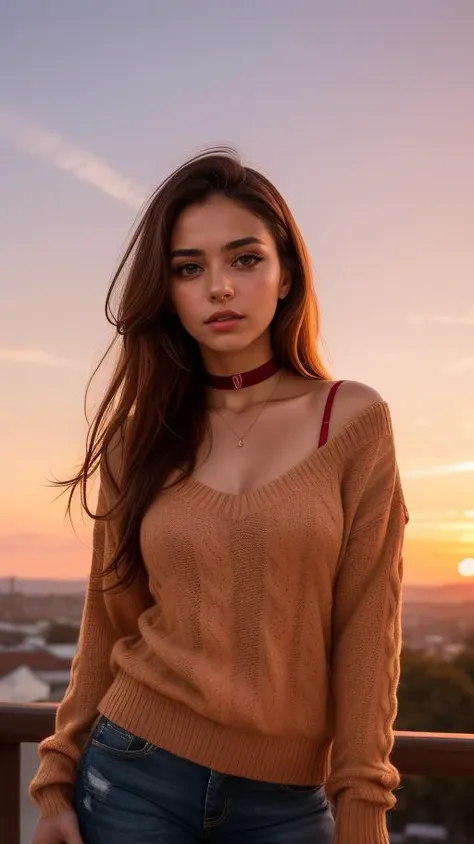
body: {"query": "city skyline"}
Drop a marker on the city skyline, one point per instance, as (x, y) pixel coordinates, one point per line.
(362, 117)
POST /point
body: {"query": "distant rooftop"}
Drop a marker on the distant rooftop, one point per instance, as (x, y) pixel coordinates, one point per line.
(41, 587)
(39, 659)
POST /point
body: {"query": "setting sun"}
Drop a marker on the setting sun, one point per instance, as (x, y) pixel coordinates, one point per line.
(466, 567)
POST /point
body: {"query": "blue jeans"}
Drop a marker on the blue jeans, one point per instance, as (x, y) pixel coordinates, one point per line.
(131, 792)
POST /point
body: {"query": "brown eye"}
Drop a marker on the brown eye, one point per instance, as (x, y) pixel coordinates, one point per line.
(186, 270)
(248, 261)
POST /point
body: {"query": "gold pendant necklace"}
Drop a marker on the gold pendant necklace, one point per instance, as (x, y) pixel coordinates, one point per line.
(241, 437)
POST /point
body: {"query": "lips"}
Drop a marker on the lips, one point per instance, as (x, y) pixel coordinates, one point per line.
(223, 316)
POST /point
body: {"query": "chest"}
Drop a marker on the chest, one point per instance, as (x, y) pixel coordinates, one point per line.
(248, 451)
(273, 541)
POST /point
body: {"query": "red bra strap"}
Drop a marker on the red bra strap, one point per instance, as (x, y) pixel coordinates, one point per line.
(323, 436)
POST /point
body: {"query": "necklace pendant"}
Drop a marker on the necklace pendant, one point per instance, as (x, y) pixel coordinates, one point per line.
(240, 443)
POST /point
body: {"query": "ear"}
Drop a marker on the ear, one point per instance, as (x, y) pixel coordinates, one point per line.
(285, 286)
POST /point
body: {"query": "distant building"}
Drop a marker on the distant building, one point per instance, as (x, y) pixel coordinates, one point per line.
(33, 674)
(63, 651)
(23, 686)
(453, 650)
(425, 833)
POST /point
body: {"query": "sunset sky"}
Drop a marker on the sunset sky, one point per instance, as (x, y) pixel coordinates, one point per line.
(361, 113)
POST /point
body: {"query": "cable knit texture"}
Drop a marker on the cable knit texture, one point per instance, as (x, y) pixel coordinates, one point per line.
(262, 637)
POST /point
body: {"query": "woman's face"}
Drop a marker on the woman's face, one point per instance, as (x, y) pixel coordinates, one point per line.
(224, 259)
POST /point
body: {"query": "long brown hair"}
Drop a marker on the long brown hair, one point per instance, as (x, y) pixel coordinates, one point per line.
(157, 390)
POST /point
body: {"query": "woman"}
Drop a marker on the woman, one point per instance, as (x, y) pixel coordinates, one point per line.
(238, 656)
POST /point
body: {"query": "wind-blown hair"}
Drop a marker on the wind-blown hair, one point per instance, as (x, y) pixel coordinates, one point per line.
(157, 389)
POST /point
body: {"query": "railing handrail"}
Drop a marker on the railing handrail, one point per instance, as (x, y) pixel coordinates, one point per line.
(26, 722)
(447, 755)
(433, 754)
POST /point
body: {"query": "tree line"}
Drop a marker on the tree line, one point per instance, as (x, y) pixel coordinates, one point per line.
(436, 694)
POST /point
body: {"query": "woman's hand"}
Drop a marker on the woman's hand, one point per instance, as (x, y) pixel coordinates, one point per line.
(60, 829)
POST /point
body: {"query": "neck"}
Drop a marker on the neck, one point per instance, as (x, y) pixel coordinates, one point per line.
(235, 363)
(244, 379)
(231, 363)
(239, 401)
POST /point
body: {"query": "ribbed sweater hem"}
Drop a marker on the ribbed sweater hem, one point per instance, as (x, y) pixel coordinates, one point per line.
(53, 799)
(177, 729)
(360, 822)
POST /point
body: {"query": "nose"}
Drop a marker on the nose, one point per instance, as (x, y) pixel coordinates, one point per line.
(220, 289)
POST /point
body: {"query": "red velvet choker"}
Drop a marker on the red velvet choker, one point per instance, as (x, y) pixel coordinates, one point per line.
(243, 379)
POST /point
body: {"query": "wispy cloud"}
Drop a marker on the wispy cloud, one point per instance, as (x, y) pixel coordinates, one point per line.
(22, 539)
(83, 165)
(452, 531)
(35, 541)
(442, 516)
(437, 515)
(37, 358)
(458, 367)
(442, 319)
(439, 471)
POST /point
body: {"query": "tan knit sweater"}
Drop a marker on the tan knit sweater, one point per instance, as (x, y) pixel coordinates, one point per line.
(264, 635)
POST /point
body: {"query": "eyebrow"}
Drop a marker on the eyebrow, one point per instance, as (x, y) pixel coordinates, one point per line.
(228, 247)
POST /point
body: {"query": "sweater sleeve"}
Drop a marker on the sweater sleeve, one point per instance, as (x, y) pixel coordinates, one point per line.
(90, 678)
(366, 649)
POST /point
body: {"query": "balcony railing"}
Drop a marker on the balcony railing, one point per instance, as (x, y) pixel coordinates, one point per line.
(429, 754)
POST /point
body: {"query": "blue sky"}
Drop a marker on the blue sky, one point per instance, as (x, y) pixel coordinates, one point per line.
(361, 113)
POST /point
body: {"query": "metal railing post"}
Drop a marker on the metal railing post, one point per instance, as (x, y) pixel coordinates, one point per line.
(10, 779)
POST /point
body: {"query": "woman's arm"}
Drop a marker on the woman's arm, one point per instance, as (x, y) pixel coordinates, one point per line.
(366, 647)
(91, 675)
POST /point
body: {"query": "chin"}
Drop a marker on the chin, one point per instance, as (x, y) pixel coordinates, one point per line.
(227, 343)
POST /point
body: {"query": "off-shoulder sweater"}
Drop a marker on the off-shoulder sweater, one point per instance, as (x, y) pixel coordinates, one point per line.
(261, 638)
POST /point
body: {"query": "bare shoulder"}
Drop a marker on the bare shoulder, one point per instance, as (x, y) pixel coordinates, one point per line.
(351, 400)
